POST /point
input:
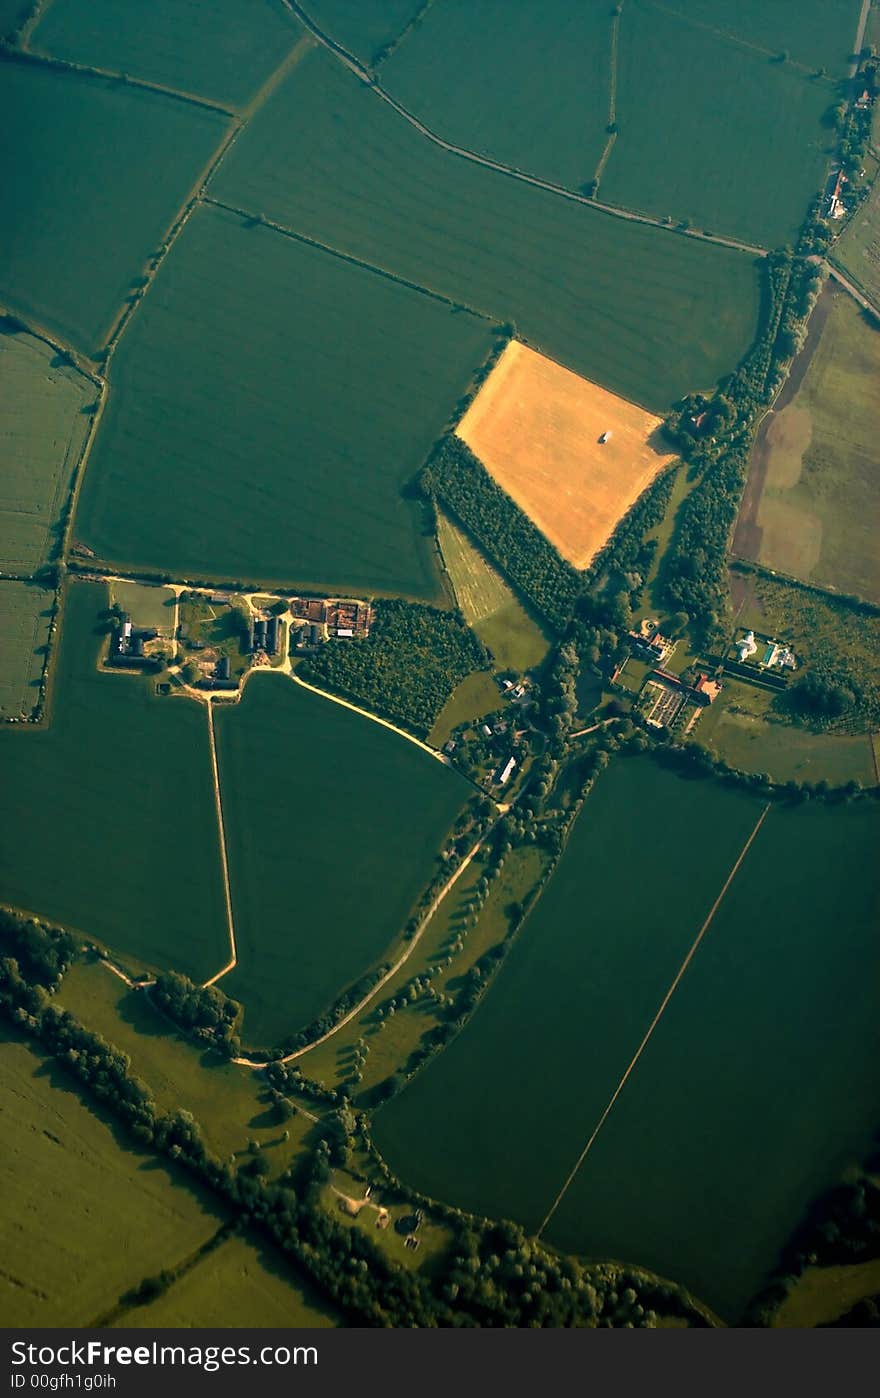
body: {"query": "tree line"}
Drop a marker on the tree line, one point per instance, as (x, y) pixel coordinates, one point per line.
(457, 478)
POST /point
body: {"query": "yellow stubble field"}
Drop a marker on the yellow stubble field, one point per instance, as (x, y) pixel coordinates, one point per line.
(536, 427)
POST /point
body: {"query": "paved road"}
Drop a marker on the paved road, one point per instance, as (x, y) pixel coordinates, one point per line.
(854, 292)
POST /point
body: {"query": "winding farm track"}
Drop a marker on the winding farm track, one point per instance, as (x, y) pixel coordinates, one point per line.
(350, 62)
(654, 1022)
(401, 961)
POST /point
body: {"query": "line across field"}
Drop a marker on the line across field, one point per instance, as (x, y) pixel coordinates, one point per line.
(224, 863)
(655, 1021)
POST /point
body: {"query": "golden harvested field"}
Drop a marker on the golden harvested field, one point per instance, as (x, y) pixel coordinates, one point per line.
(536, 427)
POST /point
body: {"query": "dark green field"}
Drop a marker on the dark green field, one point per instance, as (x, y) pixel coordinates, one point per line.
(333, 825)
(817, 33)
(648, 313)
(44, 421)
(270, 402)
(222, 49)
(108, 820)
(93, 173)
(555, 129)
(25, 617)
(715, 132)
(363, 28)
(709, 127)
(760, 1083)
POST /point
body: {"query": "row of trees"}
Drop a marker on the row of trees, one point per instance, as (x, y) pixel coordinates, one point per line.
(407, 667)
(204, 1011)
(718, 446)
(457, 478)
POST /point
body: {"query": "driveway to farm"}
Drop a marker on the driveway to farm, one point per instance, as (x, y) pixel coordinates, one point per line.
(350, 62)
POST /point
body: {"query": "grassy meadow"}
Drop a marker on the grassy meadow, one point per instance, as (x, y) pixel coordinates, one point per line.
(819, 514)
(220, 49)
(231, 1104)
(145, 604)
(85, 1218)
(734, 1116)
(323, 871)
(715, 132)
(109, 825)
(94, 173)
(264, 425)
(243, 1283)
(647, 313)
(25, 617)
(45, 415)
(488, 604)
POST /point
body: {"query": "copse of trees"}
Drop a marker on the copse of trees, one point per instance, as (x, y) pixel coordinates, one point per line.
(42, 952)
(407, 667)
(460, 481)
(204, 1011)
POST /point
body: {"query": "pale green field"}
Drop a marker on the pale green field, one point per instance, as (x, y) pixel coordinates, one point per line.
(229, 1103)
(84, 1218)
(242, 1283)
(147, 606)
(478, 694)
(823, 1294)
(488, 604)
(25, 615)
(44, 421)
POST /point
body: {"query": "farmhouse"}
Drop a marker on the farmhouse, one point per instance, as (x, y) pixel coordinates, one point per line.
(127, 645)
(648, 644)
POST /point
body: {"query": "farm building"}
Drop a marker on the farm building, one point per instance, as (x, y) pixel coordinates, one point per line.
(507, 771)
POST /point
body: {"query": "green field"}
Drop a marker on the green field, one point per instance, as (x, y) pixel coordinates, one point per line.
(715, 132)
(243, 1284)
(649, 314)
(84, 1218)
(108, 824)
(554, 129)
(12, 14)
(488, 604)
(759, 1084)
(221, 49)
(819, 513)
(323, 872)
(858, 251)
(748, 742)
(708, 128)
(45, 415)
(93, 174)
(263, 424)
(145, 604)
(362, 28)
(25, 617)
(231, 1104)
(817, 33)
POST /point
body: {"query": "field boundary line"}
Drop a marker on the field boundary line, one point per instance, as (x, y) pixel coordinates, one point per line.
(655, 1021)
(221, 831)
(285, 231)
(630, 215)
(852, 288)
(612, 97)
(39, 58)
(730, 37)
